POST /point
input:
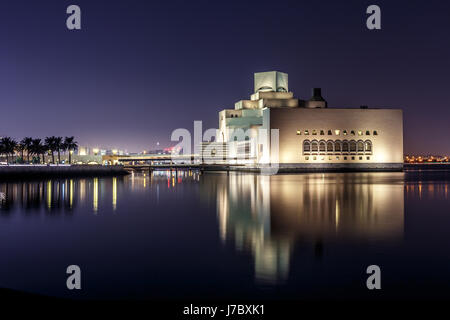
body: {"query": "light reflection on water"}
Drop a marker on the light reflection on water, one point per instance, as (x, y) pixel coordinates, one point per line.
(267, 215)
(267, 218)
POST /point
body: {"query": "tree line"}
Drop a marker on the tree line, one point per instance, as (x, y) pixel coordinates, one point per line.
(35, 148)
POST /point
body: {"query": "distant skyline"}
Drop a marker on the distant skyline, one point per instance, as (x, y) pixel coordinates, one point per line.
(140, 69)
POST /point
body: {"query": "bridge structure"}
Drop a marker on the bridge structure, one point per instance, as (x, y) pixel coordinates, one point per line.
(152, 162)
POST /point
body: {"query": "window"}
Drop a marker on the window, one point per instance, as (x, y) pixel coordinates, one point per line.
(337, 132)
(353, 146)
(375, 133)
(330, 158)
(306, 158)
(314, 132)
(360, 146)
(368, 146)
(314, 158)
(359, 132)
(306, 146)
(345, 132)
(330, 146)
(345, 146)
(367, 133)
(352, 132)
(322, 146)
(299, 132)
(235, 138)
(368, 158)
(247, 138)
(306, 132)
(322, 158)
(314, 146)
(330, 133)
(337, 158)
(322, 132)
(353, 158)
(337, 146)
(360, 158)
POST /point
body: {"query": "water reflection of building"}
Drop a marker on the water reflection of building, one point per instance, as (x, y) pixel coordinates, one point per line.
(269, 215)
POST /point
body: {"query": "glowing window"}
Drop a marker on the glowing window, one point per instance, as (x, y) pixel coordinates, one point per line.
(306, 132)
(314, 132)
(337, 132)
(345, 132)
(337, 158)
(359, 132)
(299, 132)
(368, 146)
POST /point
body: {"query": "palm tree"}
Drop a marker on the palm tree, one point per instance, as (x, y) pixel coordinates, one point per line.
(8, 146)
(37, 148)
(59, 146)
(20, 147)
(50, 142)
(70, 144)
(27, 141)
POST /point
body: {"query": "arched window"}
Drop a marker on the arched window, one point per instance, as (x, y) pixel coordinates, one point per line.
(345, 146)
(330, 146)
(322, 146)
(314, 146)
(306, 132)
(352, 146)
(235, 138)
(368, 146)
(367, 133)
(247, 138)
(375, 133)
(306, 146)
(352, 132)
(344, 132)
(314, 132)
(360, 146)
(338, 146)
(322, 132)
(329, 133)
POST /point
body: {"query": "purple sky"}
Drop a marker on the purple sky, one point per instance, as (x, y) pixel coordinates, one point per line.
(139, 69)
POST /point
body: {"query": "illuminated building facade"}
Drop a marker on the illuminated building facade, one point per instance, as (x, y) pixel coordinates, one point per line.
(311, 135)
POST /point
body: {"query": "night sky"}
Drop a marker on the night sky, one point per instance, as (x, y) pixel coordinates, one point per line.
(139, 69)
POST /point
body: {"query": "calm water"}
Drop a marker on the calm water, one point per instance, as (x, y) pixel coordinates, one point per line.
(307, 236)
